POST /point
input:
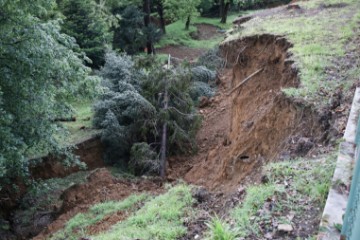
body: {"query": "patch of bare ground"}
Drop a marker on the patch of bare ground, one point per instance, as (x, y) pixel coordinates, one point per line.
(182, 52)
(250, 121)
(205, 31)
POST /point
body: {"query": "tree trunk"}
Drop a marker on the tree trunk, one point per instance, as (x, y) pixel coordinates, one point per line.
(225, 13)
(147, 23)
(187, 24)
(221, 9)
(160, 10)
(164, 133)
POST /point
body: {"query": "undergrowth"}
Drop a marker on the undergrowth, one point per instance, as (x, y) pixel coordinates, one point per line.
(76, 227)
(159, 218)
(294, 188)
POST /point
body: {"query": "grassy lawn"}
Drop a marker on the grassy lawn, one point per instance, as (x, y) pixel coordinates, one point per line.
(82, 127)
(160, 217)
(320, 35)
(177, 35)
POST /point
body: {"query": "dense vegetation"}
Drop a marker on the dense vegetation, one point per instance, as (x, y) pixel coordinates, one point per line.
(44, 50)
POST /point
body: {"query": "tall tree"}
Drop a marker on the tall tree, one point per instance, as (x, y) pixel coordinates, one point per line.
(85, 21)
(160, 11)
(224, 9)
(147, 12)
(182, 9)
(39, 73)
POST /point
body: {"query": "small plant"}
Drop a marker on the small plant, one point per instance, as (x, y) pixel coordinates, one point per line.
(220, 230)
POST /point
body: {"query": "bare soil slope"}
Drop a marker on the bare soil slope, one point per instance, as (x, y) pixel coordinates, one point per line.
(248, 125)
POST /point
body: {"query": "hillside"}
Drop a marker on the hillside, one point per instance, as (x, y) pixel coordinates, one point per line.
(266, 146)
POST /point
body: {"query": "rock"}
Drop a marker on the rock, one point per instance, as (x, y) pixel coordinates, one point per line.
(285, 228)
(201, 194)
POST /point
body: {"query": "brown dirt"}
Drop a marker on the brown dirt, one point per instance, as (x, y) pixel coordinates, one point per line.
(100, 187)
(89, 151)
(182, 52)
(107, 223)
(205, 31)
(254, 124)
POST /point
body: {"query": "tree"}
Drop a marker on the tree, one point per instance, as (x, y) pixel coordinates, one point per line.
(39, 74)
(182, 9)
(224, 9)
(147, 12)
(85, 21)
(132, 110)
(160, 10)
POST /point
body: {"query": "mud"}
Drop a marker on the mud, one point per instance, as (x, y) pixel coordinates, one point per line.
(255, 123)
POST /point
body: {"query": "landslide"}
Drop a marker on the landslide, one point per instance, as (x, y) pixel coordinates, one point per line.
(248, 125)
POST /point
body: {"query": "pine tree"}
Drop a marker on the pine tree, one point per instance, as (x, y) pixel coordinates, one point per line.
(84, 21)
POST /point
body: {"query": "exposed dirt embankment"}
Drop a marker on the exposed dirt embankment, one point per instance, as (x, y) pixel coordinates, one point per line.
(89, 151)
(251, 121)
(99, 187)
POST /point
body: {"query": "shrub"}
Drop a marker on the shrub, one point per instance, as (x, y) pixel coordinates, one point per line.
(199, 89)
(203, 74)
(143, 159)
(211, 59)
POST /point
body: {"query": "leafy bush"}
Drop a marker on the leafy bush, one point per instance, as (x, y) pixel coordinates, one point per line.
(199, 89)
(211, 59)
(203, 74)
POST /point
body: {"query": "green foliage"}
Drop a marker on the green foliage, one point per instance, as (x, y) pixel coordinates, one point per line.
(160, 218)
(290, 185)
(220, 230)
(257, 4)
(181, 9)
(203, 83)
(132, 34)
(86, 23)
(129, 36)
(39, 73)
(203, 74)
(199, 89)
(254, 200)
(143, 159)
(77, 226)
(211, 59)
(131, 110)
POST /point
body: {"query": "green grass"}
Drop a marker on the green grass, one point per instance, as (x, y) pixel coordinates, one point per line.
(177, 35)
(83, 113)
(220, 230)
(76, 227)
(318, 39)
(291, 184)
(160, 218)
